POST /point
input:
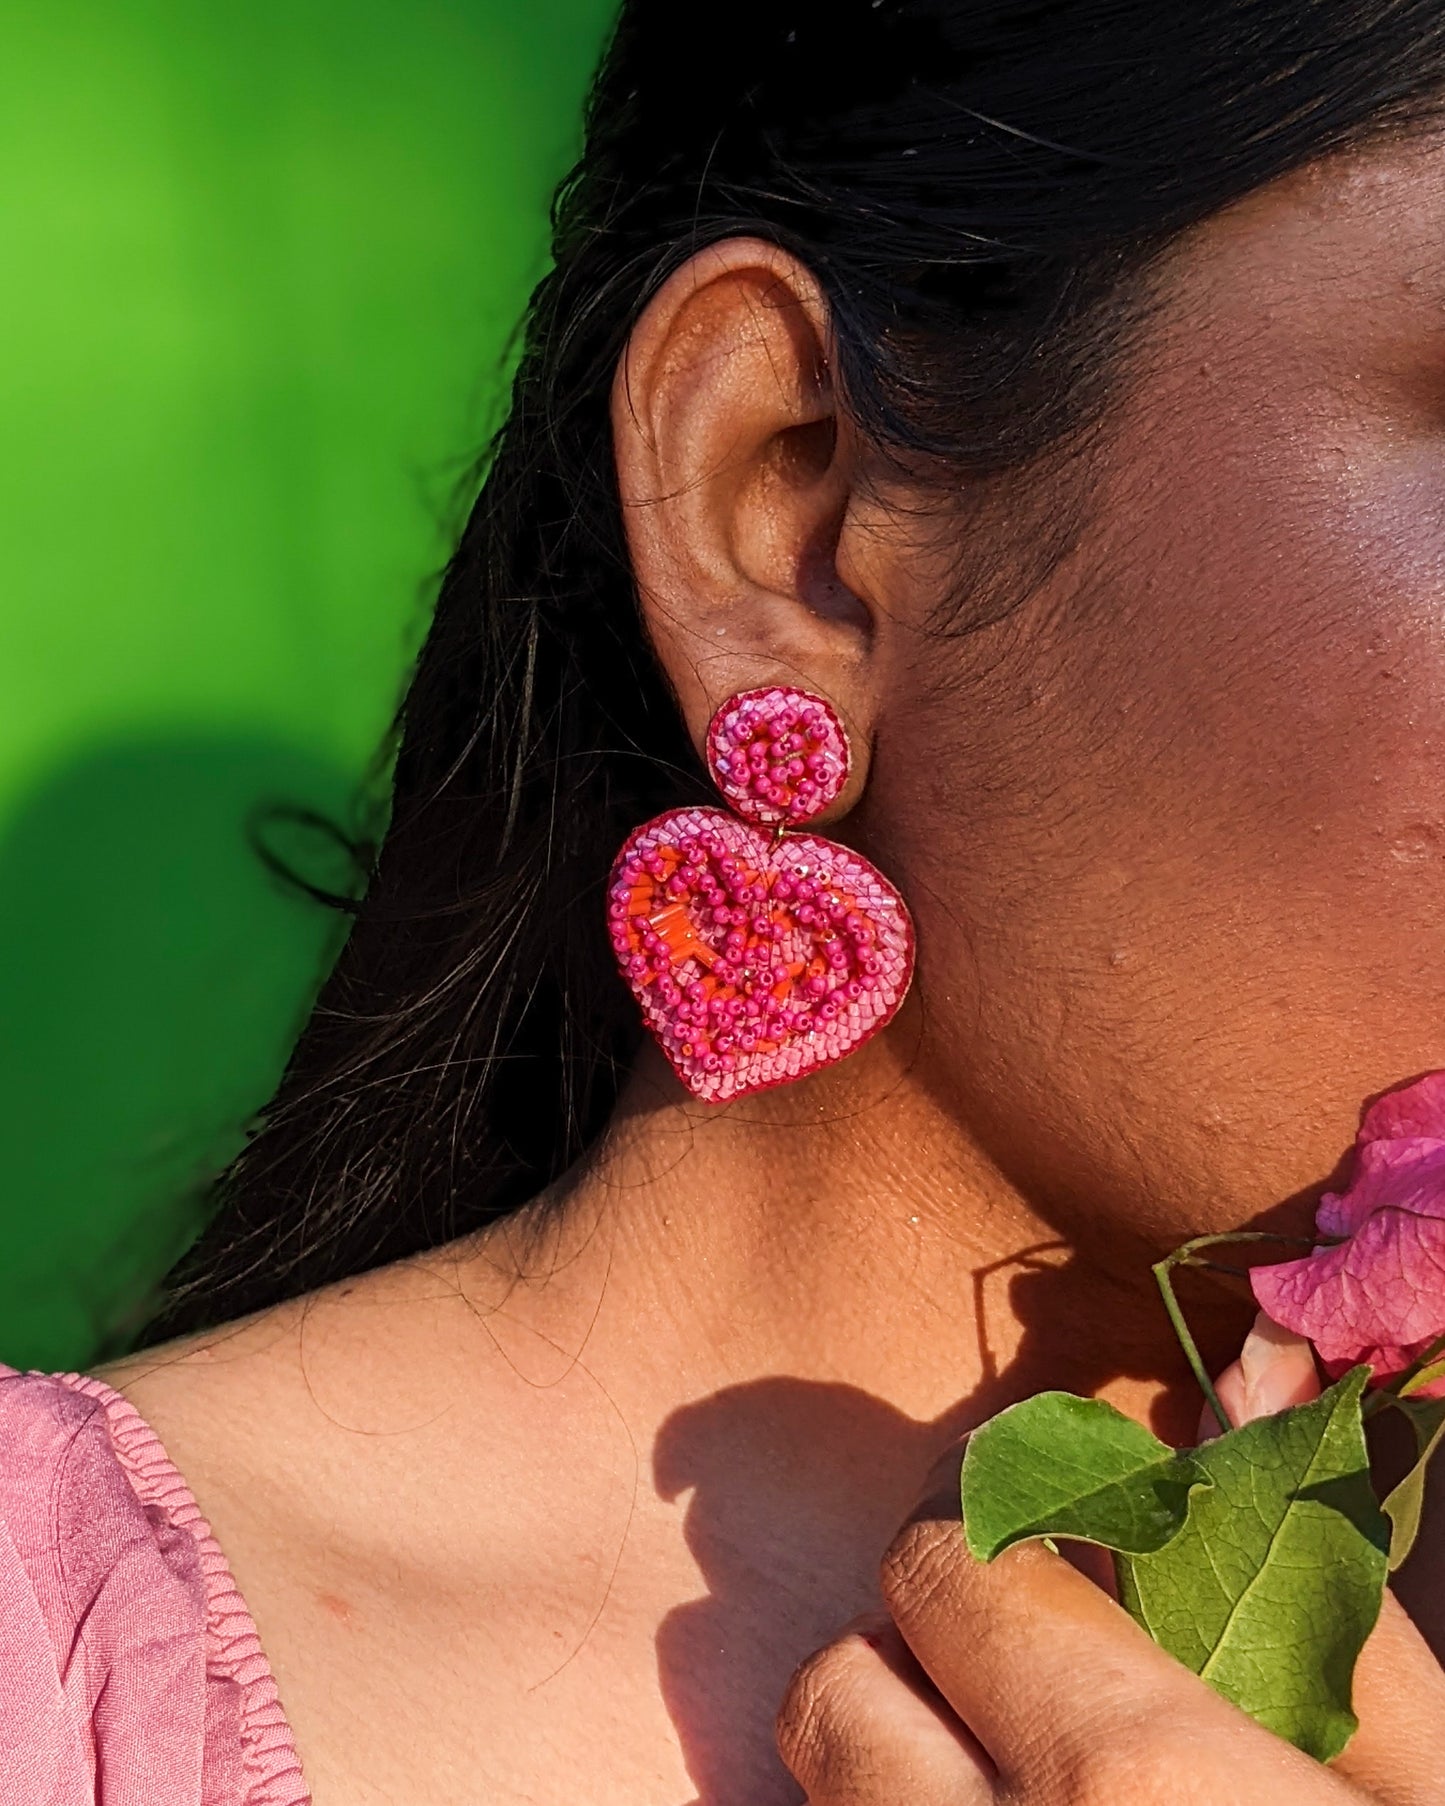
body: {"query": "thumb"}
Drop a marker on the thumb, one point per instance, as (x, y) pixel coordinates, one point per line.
(1275, 1369)
(1399, 1696)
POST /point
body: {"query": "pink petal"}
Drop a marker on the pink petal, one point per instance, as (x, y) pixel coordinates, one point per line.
(1413, 1112)
(1406, 1175)
(1381, 1291)
(1387, 1362)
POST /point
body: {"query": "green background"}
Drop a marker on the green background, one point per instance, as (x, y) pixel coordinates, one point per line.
(260, 266)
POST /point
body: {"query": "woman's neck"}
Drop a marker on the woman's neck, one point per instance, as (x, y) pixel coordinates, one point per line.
(633, 1453)
(848, 1233)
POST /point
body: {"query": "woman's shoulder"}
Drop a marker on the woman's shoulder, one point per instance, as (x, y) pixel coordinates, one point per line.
(127, 1650)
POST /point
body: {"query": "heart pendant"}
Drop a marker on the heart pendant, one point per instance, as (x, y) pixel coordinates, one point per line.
(755, 959)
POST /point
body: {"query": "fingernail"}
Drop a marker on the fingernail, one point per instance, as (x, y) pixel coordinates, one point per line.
(872, 1627)
(1278, 1369)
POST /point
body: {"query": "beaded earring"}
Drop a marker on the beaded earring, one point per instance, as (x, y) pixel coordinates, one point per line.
(758, 957)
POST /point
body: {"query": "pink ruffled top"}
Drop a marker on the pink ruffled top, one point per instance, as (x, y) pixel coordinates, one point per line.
(130, 1670)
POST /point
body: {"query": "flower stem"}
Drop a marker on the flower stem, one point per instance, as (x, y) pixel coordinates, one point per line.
(1398, 1391)
(1184, 1257)
(1162, 1272)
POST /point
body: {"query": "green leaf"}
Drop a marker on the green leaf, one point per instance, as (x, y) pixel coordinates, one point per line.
(1405, 1502)
(1057, 1465)
(1425, 1376)
(1271, 1588)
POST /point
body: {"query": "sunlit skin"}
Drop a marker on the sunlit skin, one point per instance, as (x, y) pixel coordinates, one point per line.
(555, 1515)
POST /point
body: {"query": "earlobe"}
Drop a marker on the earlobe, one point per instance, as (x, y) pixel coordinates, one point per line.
(734, 480)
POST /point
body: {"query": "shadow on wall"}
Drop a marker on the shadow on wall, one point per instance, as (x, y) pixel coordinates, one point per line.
(153, 976)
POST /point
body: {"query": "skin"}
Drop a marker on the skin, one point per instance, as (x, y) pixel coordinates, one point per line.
(556, 1514)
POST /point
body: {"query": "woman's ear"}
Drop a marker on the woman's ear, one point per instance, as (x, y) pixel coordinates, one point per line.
(735, 472)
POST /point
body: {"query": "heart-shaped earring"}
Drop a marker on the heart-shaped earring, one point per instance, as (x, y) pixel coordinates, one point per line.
(758, 957)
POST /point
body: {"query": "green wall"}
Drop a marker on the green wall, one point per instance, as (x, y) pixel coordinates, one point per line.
(259, 268)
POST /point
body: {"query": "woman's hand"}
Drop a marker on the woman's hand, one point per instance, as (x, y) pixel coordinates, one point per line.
(1021, 1681)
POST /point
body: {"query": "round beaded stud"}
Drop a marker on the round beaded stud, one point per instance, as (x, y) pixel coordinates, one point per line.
(759, 956)
(779, 756)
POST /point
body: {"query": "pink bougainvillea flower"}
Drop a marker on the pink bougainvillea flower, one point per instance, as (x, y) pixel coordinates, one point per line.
(1376, 1293)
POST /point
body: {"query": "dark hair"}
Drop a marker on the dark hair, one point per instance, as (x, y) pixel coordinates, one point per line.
(974, 183)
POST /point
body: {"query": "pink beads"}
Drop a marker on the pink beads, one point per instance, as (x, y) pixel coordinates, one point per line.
(754, 962)
(779, 756)
(758, 957)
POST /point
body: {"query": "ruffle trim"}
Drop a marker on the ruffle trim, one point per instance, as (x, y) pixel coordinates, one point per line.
(272, 1766)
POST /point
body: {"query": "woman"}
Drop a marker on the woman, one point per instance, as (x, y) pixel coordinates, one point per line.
(1055, 390)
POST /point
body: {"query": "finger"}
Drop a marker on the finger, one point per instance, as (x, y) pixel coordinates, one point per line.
(1054, 1679)
(861, 1723)
(1399, 1697)
(1275, 1369)
(1399, 1688)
